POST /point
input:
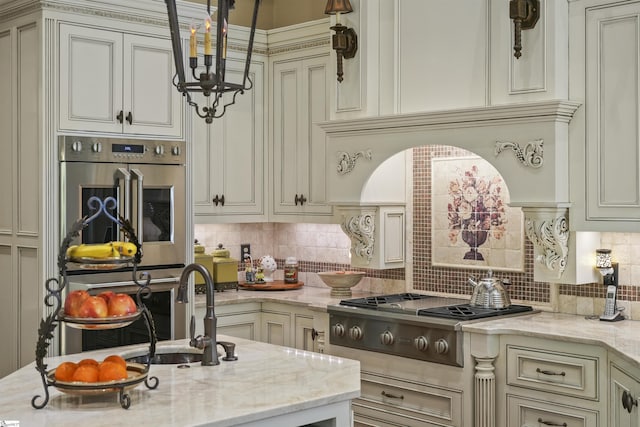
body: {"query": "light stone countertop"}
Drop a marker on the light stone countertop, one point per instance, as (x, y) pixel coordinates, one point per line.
(621, 337)
(265, 381)
(313, 298)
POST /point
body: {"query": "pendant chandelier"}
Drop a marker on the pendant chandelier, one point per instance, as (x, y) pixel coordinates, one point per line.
(209, 81)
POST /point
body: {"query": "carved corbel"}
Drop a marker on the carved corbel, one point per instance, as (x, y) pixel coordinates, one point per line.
(361, 230)
(347, 162)
(531, 155)
(548, 229)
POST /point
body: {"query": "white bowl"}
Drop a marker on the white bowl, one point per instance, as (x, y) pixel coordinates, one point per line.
(341, 282)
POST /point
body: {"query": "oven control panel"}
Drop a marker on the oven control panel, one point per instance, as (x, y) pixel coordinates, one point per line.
(431, 343)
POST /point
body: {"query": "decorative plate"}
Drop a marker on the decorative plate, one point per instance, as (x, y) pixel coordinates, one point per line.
(97, 323)
(137, 373)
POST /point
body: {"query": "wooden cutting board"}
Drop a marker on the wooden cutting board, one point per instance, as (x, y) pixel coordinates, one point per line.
(276, 285)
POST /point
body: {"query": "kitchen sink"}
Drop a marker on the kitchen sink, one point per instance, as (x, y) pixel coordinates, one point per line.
(167, 358)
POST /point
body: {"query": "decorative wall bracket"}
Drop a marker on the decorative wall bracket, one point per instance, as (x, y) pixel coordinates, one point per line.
(531, 155)
(548, 229)
(361, 230)
(347, 162)
(525, 15)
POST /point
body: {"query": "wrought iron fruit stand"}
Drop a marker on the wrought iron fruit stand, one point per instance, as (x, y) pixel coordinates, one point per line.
(137, 373)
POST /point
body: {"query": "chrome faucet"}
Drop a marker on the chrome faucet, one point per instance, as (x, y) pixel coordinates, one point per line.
(208, 342)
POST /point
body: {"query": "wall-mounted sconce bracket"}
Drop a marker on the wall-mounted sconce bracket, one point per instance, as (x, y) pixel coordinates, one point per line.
(525, 15)
(345, 43)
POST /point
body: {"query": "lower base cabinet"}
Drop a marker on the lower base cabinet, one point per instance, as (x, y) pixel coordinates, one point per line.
(530, 412)
(274, 323)
(623, 395)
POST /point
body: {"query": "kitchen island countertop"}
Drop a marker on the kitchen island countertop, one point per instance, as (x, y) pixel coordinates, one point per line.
(267, 386)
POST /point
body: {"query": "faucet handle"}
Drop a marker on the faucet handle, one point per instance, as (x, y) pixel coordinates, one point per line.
(229, 349)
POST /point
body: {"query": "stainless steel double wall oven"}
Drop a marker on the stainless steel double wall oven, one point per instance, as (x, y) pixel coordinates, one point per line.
(148, 180)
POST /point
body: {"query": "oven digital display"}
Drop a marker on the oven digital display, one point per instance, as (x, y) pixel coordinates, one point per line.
(127, 148)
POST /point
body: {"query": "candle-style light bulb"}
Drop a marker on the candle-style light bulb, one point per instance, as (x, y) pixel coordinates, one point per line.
(224, 40)
(207, 36)
(192, 42)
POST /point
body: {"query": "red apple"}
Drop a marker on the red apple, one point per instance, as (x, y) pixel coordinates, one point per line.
(121, 305)
(94, 307)
(73, 302)
(106, 295)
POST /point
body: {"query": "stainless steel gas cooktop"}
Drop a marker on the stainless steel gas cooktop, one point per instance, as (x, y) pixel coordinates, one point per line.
(410, 325)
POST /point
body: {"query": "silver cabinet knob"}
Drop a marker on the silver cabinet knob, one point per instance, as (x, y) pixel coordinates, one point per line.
(159, 150)
(96, 147)
(175, 151)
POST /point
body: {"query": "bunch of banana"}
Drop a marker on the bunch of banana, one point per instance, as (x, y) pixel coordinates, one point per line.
(102, 250)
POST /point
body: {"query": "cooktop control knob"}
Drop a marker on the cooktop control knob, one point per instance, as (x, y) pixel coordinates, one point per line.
(421, 343)
(386, 338)
(175, 151)
(442, 346)
(96, 147)
(338, 330)
(159, 150)
(76, 146)
(355, 333)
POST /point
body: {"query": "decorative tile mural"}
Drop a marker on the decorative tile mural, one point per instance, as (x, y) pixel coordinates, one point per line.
(472, 226)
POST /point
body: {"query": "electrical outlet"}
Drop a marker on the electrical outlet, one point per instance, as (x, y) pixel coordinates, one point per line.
(245, 249)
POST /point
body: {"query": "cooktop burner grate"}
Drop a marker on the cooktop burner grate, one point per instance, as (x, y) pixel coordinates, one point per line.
(469, 312)
(374, 302)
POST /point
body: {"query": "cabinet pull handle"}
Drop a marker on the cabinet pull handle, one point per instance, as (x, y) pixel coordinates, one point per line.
(129, 117)
(300, 199)
(314, 334)
(541, 371)
(628, 402)
(120, 116)
(217, 200)
(551, 423)
(392, 396)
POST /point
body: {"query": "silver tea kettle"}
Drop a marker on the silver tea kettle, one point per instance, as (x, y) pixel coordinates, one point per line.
(489, 292)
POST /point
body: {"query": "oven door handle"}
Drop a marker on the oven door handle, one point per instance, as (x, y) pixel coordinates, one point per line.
(125, 195)
(139, 178)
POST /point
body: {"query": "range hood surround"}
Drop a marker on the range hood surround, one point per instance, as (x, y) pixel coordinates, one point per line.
(527, 143)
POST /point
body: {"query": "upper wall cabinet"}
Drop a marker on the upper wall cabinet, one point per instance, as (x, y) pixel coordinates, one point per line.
(435, 55)
(300, 99)
(605, 143)
(229, 154)
(113, 82)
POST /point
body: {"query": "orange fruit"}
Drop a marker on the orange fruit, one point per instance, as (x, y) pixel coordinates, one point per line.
(110, 371)
(116, 359)
(86, 374)
(88, 362)
(65, 371)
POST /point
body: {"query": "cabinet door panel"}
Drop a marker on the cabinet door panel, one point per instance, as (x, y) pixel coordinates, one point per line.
(622, 383)
(529, 412)
(613, 97)
(90, 79)
(149, 96)
(276, 328)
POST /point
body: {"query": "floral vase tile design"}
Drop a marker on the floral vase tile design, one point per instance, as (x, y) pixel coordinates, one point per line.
(471, 222)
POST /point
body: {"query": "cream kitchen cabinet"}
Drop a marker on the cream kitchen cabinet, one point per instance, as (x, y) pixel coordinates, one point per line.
(624, 392)
(236, 320)
(118, 83)
(605, 144)
(300, 98)
(230, 157)
(551, 383)
(294, 326)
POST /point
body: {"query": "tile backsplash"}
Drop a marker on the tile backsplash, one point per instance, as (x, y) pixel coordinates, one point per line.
(321, 247)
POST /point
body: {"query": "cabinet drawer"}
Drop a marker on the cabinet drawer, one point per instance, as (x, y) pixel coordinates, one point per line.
(553, 372)
(407, 403)
(528, 412)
